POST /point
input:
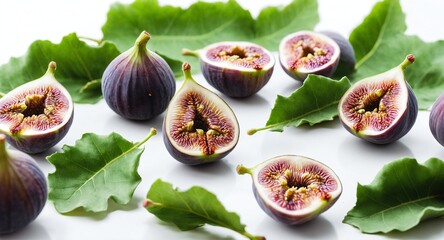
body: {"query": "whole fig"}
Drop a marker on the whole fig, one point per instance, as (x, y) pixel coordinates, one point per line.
(435, 119)
(138, 84)
(38, 114)
(347, 58)
(293, 189)
(382, 108)
(23, 189)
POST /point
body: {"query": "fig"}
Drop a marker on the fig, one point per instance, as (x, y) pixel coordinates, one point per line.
(305, 52)
(23, 189)
(382, 108)
(138, 84)
(236, 69)
(36, 115)
(435, 118)
(347, 59)
(199, 127)
(293, 189)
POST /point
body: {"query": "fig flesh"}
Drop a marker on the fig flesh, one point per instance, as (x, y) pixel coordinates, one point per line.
(236, 69)
(435, 118)
(138, 84)
(305, 52)
(293, 189)
(36, 115)
(199, 127)
(382, 108)
(23, 189)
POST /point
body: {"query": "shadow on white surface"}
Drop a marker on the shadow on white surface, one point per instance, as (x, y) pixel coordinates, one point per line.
(429, 229)
(34, 229)
(318, 228)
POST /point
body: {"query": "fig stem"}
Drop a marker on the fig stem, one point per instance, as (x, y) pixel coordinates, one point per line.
(153, 132)
(188, 52)
(241, 170)
(142, 40)
(409, 59)
(2, 94)
(186, 68)
(51, 68)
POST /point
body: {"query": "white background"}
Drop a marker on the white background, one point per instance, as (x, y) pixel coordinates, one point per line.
(22, 22)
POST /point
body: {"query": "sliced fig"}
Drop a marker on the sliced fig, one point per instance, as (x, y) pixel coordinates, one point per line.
(305, 52)
(382, 108)
(293, 189)
(236, 69)
(347, 58)
(199, 126)
(36, 115)
(138, 84)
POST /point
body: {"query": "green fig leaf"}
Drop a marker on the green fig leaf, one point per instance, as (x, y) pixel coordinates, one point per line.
(203, 23)
(97, 168)
(380, 42)
(314, 102)
(403, 194)
(78, 66)
(191, 209)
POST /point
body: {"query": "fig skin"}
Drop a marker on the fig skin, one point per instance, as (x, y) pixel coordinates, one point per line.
(36, 141)
(23, 189)
(347, 58)
(138, 84)
(435, 119)
(404, 122)
(197, 156)
(300, 73)
(231, 80)
(320, 202)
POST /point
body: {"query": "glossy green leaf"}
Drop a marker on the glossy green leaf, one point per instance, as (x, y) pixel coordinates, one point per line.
(380, 41)
(403, 194)
(79, 66)
(314, 102)
(97, 168)
(203, 23)
(191, 209)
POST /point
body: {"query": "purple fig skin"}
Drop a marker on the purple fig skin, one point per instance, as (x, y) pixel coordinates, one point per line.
(138, 84)
(235, 83)
(23, 189)
(39, 143)
(347, 59)
(435, 120)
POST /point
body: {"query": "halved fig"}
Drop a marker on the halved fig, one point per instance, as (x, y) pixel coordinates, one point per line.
(236, 69)
(36, 115)
(199, 126)
(293, 189)
(305, 52)
(382, 108)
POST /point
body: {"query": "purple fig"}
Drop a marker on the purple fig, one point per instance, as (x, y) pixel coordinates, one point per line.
(36, 115)
(199, 127)
(347, 58)
(435, 118)
(382, 108)
(23, 189)
(236, 69)
(293, 189)
(305, 52)
(138, 84)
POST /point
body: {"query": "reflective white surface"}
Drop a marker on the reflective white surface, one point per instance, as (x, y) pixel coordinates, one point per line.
(22, 22)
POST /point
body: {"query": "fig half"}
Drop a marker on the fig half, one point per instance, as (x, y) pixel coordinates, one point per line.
(236, 69)
(293, 189)
(382, 108)
(305, 52)
(199, 126)
(36, 115)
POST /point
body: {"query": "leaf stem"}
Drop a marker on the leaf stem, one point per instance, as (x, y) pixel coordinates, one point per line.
(255, 130)
(252, 237)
